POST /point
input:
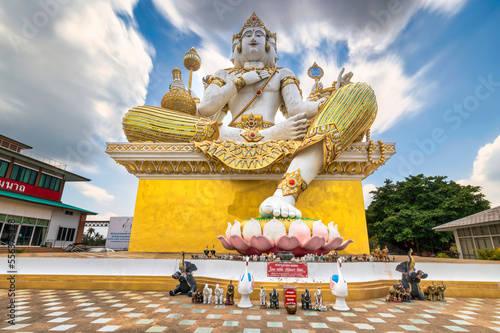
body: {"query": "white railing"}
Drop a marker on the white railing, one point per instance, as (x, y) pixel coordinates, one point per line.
(45, 159)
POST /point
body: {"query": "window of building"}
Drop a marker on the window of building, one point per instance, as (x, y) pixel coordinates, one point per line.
(4, 165)
(23, 175)
(50, 182)
(27, 231)
(66, 234)
(480, 237)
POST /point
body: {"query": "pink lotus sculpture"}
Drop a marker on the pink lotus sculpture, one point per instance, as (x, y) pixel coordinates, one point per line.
(274, 238)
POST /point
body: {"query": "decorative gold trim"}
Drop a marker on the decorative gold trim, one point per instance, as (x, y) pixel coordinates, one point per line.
(290, 80)
(186, 147)
(247, 156)
(239, 83)
(252, 121)
(216, 80)
(252, 135)
(293, 184)
(206, 130)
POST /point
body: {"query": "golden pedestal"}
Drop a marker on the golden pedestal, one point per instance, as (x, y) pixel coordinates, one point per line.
(184, 201)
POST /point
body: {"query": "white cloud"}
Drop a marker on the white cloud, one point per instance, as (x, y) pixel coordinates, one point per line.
(94, 192)
(366, 194)
(67, 85)
(486, 172)
(303, 30)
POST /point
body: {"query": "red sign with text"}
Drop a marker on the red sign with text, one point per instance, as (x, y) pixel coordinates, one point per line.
(286, 270)
(9, 184)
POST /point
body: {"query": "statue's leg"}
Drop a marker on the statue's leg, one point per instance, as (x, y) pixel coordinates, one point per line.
(154, 124)
(345, 116)
(309, 162)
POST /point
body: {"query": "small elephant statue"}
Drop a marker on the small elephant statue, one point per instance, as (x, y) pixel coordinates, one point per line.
(411, 278)
(187, 283)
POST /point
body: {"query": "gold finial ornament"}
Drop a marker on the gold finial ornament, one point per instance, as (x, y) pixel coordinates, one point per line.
(178, 98)
(315, 72)
(192, 62)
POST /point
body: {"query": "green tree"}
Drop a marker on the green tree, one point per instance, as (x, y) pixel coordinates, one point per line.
(92, 238)
(403, 214)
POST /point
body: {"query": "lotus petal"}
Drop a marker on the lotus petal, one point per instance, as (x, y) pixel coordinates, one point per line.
(251, 228)
(300, 230)
(333, 244)
(314, 243)
(288, 243)
(319, 229)
(344, 244)
(261, 243)
(333, 232)
(225, 243)
(228, 230)
(239, 243)
(273, 230)
(236, 228)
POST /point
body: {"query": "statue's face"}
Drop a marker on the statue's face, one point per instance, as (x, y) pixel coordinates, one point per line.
(253, 44)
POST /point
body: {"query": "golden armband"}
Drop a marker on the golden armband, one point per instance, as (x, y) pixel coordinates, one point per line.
(239, 83)
(290, 80)
(293, 184)
(216, 80)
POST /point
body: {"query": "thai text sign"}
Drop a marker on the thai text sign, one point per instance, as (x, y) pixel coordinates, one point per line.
(286, 270)
(119, 232)
(24, 188)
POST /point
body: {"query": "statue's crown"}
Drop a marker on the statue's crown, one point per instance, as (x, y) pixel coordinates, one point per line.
(254, 21)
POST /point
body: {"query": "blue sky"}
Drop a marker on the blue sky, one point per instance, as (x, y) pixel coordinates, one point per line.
(67, 78)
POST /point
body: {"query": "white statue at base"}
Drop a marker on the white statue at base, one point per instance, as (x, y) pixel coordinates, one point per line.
(245, 288)
(339, 289)
(219, 295)
(207, 295)
(263, 298)
(318, 297)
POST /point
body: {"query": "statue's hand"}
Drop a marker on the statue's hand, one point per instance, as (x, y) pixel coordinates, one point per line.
(255, 76)
(294, 128)
(343, 78)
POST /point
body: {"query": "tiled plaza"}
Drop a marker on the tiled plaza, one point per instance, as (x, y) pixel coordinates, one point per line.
(144, 311)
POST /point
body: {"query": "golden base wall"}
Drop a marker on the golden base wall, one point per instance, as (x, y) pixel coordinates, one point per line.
(187, 215)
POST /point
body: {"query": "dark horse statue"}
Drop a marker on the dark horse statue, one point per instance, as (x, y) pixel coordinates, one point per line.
(411, 278)
(187, 283)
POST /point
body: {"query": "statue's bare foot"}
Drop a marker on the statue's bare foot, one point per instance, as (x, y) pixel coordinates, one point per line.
(278, 206)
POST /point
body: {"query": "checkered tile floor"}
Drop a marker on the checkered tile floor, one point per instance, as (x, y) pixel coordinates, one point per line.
(152, 311)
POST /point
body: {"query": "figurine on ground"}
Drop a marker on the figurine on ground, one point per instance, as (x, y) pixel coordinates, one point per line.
(212, 252)
(187, 283)
(198, 296)
(274, 299)
(207, 252)
(306, 300)
(219, 295)
(263, 298)
(440, 292)
(207, 295)
(411, 278)
(318, 296)
(230, 294)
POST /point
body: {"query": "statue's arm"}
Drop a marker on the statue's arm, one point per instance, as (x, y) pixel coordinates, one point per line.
(217, 95)
(293, 98)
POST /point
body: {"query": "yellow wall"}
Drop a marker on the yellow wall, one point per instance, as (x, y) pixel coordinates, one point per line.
(188, 215)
